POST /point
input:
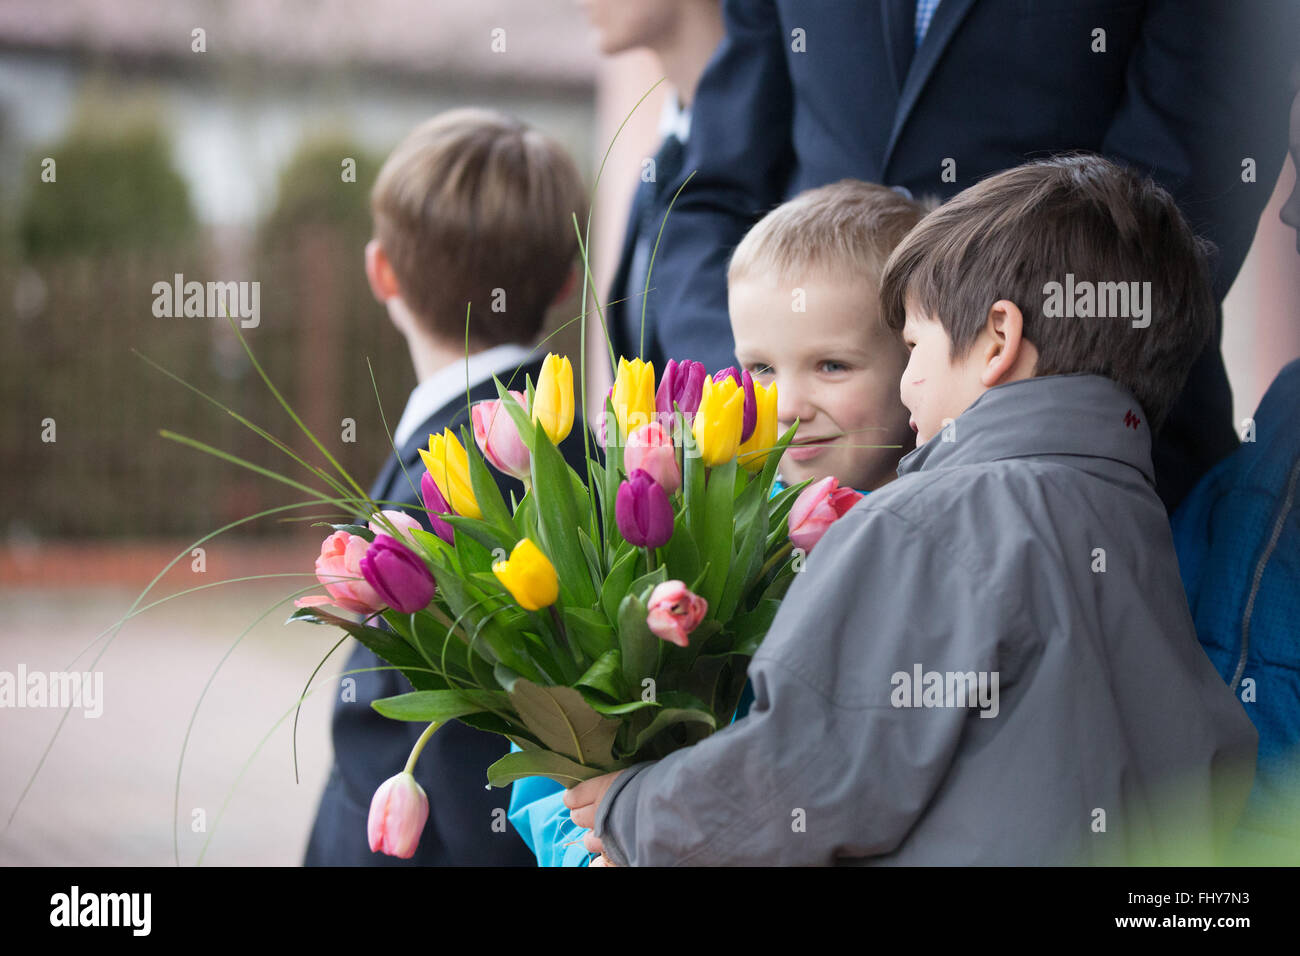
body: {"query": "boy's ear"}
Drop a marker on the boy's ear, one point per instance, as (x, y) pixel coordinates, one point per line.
(379, 272)
(1008, 355)
(570, 283)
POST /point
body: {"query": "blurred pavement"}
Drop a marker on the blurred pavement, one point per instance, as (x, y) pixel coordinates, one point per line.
(105, 794)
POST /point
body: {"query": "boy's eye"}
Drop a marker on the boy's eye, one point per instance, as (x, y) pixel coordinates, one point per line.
(831, 365)
(758, 368)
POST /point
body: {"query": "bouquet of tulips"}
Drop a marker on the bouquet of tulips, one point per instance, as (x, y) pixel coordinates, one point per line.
(605, 618)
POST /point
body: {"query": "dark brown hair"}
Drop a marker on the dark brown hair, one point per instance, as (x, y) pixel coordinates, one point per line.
(1012, 234)
(470, 202)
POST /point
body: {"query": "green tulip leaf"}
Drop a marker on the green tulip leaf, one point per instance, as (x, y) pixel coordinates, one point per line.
(595, 566)
(439, 706)
(638, 643)
(564, 722)
(387, 645)
(539, 763)
(619, 581)
(681, 555)
(591, 631)
(618, 710)
(693, 474)
(677, 708)
(436, 551)
(488, 535)
(605, 675)
(360, 530)
(718, 529)
(486, 491)
(748, 630)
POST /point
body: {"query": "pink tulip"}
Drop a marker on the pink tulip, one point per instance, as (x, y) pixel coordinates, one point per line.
(339, 568)
(401, 521)
(819, 506)
(498, 438)
(398, 813)
(650, 447)
(674, 611)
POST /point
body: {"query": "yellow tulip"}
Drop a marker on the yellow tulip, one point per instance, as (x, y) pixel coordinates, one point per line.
(719, 421)
(553, 397)
(448, 465)
(753, 453)
(634, 395)
(529, 576)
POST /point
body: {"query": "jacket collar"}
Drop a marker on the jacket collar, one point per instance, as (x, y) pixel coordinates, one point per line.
(452, 414)
(1080, 415)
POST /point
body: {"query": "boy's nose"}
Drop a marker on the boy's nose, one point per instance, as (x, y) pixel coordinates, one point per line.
(793, 402)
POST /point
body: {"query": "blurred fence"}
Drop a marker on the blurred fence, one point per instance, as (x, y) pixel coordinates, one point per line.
(107, 472)
(80, 451)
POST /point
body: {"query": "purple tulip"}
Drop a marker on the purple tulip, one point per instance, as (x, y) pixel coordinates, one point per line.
(683, 383)
(643, 511)
(745, 381)
(437, 505)
(399, 577)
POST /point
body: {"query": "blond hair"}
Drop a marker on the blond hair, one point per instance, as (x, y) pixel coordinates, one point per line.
(474, 206)
(846, 227)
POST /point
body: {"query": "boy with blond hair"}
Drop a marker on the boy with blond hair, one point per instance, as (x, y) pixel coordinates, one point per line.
(473, 208)
(803, 292)
(990, 660)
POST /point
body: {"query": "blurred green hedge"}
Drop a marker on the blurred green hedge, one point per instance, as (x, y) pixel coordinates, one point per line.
(113, 190)
(89, 248)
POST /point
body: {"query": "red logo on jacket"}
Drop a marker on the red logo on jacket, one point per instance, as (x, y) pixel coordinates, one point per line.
(1131, 420)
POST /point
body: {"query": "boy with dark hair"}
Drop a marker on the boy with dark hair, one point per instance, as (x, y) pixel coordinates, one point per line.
(989, 660)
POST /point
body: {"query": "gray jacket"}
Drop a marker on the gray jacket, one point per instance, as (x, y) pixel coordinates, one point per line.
(988, 661)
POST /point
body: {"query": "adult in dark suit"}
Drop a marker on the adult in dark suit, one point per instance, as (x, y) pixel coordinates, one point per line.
(681, 35)
(464, 825)
(1191, 92)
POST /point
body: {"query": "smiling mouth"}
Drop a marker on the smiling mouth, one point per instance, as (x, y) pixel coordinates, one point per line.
(814, 441)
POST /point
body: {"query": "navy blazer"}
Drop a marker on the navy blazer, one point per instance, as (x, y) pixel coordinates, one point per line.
(464, 827)
(800, 94)
(623, 312)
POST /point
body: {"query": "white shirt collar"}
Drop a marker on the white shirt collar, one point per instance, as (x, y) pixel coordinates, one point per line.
(447, 383)
(674, 119)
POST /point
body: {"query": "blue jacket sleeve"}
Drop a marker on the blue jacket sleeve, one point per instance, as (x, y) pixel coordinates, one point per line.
(538, 812)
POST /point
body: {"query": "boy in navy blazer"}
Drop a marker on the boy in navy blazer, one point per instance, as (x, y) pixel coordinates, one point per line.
(475, 207)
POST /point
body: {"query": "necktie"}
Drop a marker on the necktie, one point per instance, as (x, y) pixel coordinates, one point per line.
(924, 12)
